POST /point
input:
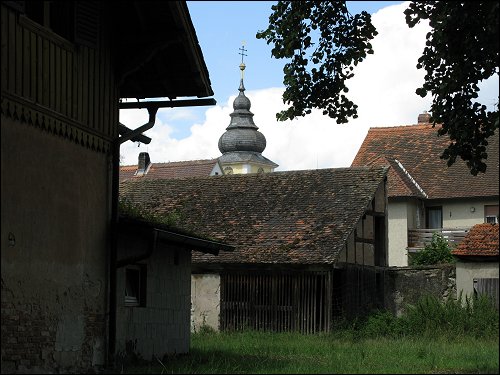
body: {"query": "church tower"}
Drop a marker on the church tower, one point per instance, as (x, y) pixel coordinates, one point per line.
(242, 144)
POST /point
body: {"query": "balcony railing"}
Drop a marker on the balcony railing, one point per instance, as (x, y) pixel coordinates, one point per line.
(418, 238)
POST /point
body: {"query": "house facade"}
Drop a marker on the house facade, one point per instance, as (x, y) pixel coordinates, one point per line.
(309, 245)
(477, 262)
(64, 67)
(424, 194)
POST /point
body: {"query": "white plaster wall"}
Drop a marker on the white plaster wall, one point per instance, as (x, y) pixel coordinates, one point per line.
(468, 271)
(398, 234)
(216, 170)
(205, 301)
(458, 214)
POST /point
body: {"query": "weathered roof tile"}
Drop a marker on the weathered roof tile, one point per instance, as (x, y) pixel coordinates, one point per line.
(281, 217)
(418, 149)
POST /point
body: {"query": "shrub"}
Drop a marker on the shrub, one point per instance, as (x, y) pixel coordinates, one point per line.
(438, 251)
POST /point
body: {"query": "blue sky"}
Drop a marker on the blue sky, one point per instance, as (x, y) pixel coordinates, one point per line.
(221, 26)
(383, 88)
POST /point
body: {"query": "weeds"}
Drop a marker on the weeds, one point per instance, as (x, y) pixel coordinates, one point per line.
(432, 337)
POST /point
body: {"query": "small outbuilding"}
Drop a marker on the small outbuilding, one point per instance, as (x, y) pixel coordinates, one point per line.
(309, 245)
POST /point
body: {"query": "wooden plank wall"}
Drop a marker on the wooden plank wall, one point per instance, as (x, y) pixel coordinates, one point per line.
(488, 286)
(75, 81)
(277, 302)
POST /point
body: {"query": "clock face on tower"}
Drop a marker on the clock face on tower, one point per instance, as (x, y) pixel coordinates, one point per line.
(228, 170)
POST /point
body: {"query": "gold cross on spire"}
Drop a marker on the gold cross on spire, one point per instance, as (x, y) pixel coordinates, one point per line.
(242, 53)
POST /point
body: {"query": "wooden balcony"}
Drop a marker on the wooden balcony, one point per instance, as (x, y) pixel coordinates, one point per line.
(418, 238)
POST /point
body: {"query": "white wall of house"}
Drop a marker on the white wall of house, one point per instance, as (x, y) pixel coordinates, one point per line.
(463, 213)
(205, 301)
(403, 215)
(398, 233)
(468, 271)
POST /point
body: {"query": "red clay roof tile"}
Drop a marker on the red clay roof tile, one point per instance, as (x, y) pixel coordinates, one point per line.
(418, 149)
(178, 169)
(482, 240)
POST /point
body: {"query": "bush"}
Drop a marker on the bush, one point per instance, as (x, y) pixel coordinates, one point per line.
(438, 251)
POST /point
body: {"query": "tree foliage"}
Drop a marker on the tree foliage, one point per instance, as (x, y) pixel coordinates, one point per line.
(462, 49)
(324, 41)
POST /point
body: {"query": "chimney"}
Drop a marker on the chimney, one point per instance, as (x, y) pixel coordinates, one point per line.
(143, 165)
(424, 118)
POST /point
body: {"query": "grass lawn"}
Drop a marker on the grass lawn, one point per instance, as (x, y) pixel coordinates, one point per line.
(344, 352)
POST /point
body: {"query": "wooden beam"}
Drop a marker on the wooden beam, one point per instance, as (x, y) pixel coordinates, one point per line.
(374, 213)
(365, 240)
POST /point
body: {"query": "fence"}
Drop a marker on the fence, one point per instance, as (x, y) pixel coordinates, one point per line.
(418, 238)
(488, 286)
(277, 302)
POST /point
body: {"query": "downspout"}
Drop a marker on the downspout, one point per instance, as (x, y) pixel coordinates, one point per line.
(115, 185)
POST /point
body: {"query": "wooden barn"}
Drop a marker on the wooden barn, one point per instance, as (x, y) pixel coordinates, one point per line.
(65, 65)
(309, 245)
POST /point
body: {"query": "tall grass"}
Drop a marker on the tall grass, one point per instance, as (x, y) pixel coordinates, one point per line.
(475, 317)
(432, 337)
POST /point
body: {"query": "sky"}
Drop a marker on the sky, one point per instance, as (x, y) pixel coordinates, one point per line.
(383, 87)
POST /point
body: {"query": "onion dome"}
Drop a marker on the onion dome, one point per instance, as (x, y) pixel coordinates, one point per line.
(242, 134)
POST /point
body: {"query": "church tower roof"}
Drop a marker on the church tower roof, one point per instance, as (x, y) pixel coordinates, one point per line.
(242, 140)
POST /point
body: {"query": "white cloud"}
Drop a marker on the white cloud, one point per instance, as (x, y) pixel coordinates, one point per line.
(383, 88)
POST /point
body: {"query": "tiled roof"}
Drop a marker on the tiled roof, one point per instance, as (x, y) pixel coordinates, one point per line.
(417, 148)
(481, 240)
(301, 217)
(178, 169)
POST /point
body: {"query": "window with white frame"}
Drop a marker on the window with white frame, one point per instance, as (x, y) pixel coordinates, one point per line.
(491, 214)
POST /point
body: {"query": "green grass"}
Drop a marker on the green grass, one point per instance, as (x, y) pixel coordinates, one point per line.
(432, 337)
(288, 353)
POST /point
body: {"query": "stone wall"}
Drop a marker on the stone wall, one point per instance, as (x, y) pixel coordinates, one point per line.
(54, 243)
(405, 285)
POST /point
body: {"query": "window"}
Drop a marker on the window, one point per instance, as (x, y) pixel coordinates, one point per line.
(57, 16)
(434, 217)
(135, 285)
(491, 214)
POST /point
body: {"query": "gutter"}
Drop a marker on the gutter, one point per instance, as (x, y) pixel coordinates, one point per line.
(115, 186)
